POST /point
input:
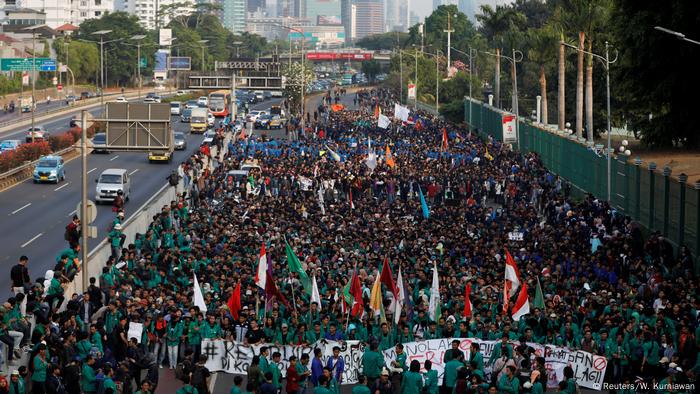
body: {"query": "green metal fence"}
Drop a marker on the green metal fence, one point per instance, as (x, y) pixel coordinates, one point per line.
(650, 196)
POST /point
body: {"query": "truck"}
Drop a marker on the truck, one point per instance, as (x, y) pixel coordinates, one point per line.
(198, 121)
(26, 104)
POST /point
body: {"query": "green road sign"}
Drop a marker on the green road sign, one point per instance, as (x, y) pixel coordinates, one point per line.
(25, 64)
(143, 62)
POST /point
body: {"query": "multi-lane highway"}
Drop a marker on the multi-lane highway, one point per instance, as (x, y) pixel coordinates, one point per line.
(33, 216)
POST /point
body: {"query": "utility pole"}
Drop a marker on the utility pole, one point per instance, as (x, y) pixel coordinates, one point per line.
(449, 42)
(401, 75)
(84, 199)
(234, 109)
(33, 103)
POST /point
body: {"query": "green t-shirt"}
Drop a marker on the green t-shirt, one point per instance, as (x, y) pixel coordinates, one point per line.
(87, 379)
(412, 383)
(372, 364)
(431, 381)
(187, 390)
(360, 389)
(321, 390)
(40, 366)
(451, 372)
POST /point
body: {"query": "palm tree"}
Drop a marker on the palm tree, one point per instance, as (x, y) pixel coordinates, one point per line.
(542, 46)
(494, 24)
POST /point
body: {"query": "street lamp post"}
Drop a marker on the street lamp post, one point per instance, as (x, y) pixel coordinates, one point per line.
(202, 42)
(470, 55)
(102, 33)
(237, 44)
(514, 60)
(138, 39)
(680, 36)
(437, 80)
(606, 63)
(33, 103)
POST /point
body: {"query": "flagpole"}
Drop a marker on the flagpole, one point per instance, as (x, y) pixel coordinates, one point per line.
(347, 320)
(294, 300)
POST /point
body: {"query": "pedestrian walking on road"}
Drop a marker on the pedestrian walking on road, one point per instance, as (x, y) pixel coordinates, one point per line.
(72, 234)
(19, 274)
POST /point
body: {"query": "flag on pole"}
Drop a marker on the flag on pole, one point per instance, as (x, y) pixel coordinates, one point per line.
(389, 158)
(261, 273)
(198, 297)
(488, 155)
(271, 290)
(387, 279)
(375, 298)
(467, 301)
(506, 296)
(295, 267)
(352, 206)
(539, 297)
(423, 205)
(234, 302)
(434, 305)
(333, 154)
(400, 298)
(444, 139)
(356, 291)
(315, 296)
(522, 304)
(377, 111)
(512, 274)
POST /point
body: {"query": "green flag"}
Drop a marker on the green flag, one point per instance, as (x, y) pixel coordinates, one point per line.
(295, 267)
(539, 297)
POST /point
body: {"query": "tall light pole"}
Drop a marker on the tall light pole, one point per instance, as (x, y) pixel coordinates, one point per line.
(415, 55)
(201, 43)
(517, 57)
(237, 44)
(138, 39)
(33, 103)
(437, 80)
(606, 63)
(102, 33)
(449, 32)
(680, 36)
(470, 55)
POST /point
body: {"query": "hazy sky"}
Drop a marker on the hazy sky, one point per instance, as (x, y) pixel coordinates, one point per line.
(424, 7)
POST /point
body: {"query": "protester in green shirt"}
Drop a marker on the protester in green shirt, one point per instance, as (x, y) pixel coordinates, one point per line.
(16, 384)
(322, 387)
(88, 381)
(431, 378)
(476, 356)
(361, 387)
(274, 367)
(412, 382)
(508, 384)
(40, 366)
(108, 383)
(189, 389)
(451, 368)
(237, 383)
(264, 364)
(372, 362)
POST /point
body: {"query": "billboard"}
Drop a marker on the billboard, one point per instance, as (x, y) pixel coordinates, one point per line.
(165, 37)
(329, 20)
(338, 56)
(161, 60)
(509, 131)
(179, 63)
(138, 126)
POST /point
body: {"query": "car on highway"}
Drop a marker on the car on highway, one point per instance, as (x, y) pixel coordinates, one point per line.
(121, 99)
(38, 133)
(179, 140)
(110, 182)
(151, 94)
(203, 101)
(259, 95)
(99, 143)
(254, 115)
(191, 104)
(186, 115)
(261, 121)
(211, 120)
(70, 99)
(49, 169)
(175, 107)
(236, 177)
(86, 95)
(8, 145)
(150, 100)
(267, 94)
(182, 92)
(275, 122)
(208, 137)
(157, 99)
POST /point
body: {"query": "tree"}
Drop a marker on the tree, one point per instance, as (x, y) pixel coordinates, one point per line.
(371, 69)
(384, 41)
(542, 46)
(295, 80)
(495, 23)
(120, 53)
(82, 57)
(656, 72)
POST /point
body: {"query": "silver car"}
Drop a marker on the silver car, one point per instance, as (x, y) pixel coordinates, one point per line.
(180, 142)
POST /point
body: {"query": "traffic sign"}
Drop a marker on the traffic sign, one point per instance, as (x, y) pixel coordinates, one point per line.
(59, 87)
(143, 62)
(25, 64)
(91, 211)
(54, 81)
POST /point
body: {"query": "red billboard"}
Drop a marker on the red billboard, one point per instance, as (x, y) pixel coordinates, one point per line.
(338, 56)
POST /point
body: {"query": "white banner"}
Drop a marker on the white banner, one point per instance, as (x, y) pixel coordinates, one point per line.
(233, 357)
(135, 331)
(509, 131)
(383, 121)
(412, 91)
(165, 37)
(401, 112)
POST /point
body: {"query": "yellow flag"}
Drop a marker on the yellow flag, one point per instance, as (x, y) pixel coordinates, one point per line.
(375, 297)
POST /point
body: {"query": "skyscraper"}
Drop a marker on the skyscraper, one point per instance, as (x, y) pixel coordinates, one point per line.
(391, 13)
(468, 8)
(369, 17)
(323, 12)
(233, 15)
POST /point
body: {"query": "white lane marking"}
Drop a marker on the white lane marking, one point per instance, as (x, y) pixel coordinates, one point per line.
(114, 158)
(61, 187)
(31, 240)
(72, 213)
(21, 208)
(134, 171)
(92, 170)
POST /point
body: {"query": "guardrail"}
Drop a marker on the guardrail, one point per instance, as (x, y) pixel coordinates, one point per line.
(24, 171)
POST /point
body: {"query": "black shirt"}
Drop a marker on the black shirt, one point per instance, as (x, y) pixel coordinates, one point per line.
(254, 336)
(19, 275)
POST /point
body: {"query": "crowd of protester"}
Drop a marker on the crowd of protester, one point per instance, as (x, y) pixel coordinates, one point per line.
(607, 289)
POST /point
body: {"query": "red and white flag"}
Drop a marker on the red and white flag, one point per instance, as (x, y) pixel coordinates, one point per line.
(261, 274)
(522, 304)
(512, 274)
(444, 139)
(352, 205)
(467, 301)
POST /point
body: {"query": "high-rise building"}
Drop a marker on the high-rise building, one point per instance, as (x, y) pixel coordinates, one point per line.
(404, 14)
(256, 5)
(324, 12)
(61, 12)
(147, 10)
(369, 18)
(233, 14)
(468, 8)
(391, 15)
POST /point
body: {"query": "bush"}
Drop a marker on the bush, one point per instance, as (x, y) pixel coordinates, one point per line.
(62, 141)
(25, 152)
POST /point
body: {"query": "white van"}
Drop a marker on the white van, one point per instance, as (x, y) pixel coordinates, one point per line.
(110, 182)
